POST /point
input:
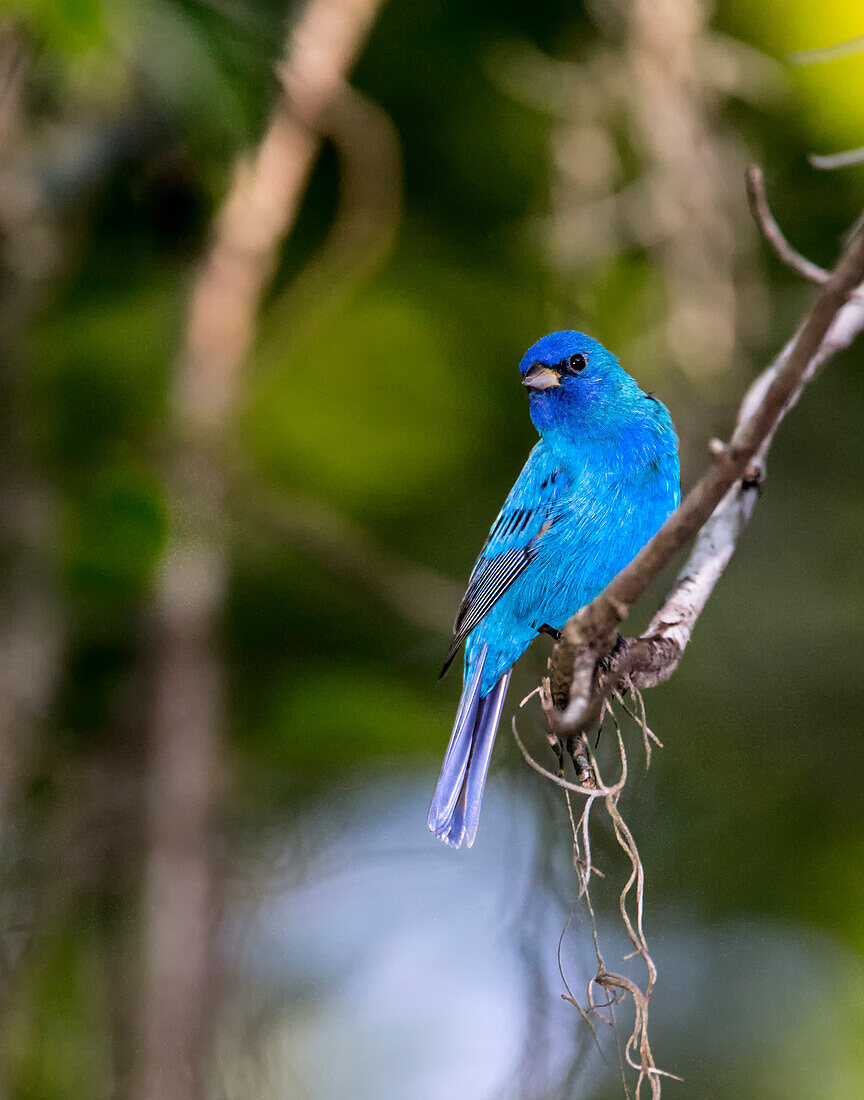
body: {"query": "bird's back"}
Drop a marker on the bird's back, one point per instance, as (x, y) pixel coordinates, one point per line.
(612, 493)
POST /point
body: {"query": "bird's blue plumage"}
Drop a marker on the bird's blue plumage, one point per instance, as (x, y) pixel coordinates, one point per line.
(599, 483)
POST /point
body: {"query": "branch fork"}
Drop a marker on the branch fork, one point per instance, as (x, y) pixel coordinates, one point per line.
(586, 667)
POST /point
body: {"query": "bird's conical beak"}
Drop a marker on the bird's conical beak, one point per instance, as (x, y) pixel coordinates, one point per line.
(540, 377)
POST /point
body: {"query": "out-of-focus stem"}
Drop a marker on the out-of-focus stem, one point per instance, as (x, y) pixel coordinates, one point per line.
(181, 887)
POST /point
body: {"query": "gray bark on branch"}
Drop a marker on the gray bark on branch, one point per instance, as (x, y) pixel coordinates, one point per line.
(584, 670)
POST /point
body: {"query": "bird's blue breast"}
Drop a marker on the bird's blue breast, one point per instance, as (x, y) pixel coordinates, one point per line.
(612, 490)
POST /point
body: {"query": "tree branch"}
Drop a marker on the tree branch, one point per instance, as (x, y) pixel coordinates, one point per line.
(180, 893)
(717, 507)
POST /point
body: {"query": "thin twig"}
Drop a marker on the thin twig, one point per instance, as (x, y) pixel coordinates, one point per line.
(847, 159)
(558, 780)
(772, 232)
(638, 1042)
(827, 53)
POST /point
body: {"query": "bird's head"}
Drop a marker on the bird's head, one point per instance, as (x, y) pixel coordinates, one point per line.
(571, 380)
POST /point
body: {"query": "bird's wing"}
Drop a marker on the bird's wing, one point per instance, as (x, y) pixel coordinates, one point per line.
(529, 512)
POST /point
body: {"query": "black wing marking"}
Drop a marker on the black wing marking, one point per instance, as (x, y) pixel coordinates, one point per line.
(489, 581)
(530, 509)
(490, 584)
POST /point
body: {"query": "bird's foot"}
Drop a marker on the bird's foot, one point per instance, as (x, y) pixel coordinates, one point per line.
(620, 647)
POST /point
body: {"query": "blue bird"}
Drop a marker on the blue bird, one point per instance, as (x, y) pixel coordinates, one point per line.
(600, 482)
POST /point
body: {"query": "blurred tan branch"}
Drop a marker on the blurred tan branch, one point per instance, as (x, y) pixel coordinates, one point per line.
(418, 595)
(716, 509)
(370, 200)
(262, 204)
(181, 886)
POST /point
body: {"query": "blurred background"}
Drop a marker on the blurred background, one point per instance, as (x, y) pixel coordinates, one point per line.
(255, 423)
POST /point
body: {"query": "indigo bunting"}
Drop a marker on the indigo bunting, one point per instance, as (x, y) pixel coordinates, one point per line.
(599, 483)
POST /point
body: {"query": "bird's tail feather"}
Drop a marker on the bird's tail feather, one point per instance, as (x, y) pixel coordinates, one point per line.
(455, 809)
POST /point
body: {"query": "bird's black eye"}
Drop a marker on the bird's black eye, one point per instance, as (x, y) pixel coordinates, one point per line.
(577, 362)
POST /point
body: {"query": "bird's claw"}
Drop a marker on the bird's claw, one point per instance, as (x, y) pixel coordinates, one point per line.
(605, 663)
